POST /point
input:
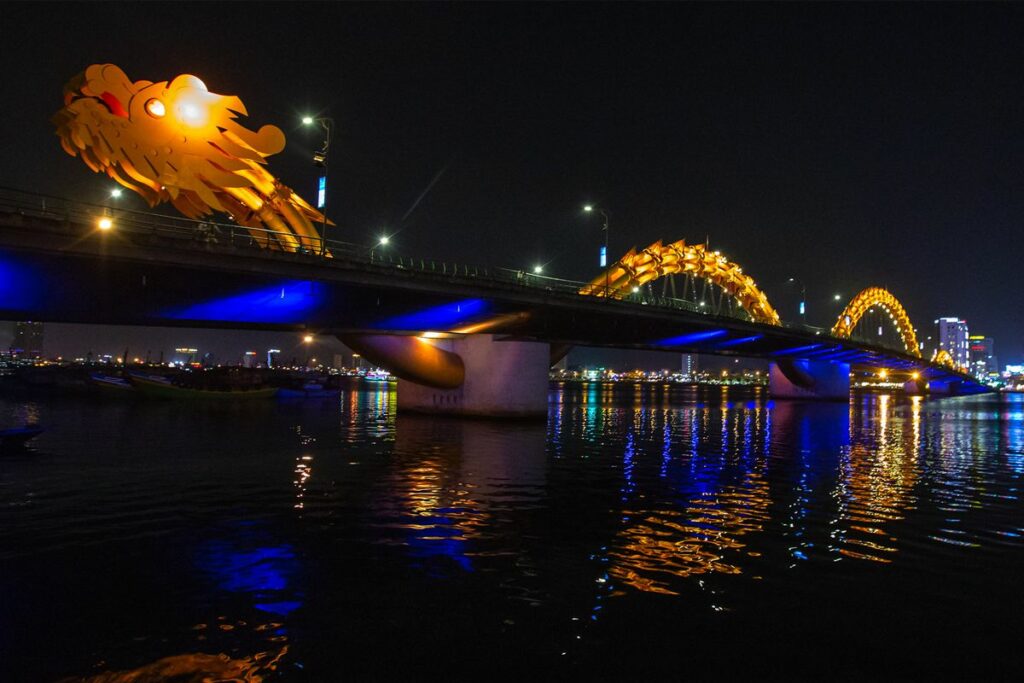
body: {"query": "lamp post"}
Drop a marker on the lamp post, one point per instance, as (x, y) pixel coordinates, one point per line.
(307, 340)
(590, 208)
(320, 160)
(382, 242)
(803, 298)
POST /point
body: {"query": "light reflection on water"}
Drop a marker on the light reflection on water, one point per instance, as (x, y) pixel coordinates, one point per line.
(288, 537)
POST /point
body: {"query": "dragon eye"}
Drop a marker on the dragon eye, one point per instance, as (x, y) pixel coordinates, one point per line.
(155, 108)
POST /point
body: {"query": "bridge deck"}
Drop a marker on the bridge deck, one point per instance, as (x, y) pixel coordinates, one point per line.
(161, 270)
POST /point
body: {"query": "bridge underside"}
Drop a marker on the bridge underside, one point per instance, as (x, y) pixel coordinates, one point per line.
(53, 271)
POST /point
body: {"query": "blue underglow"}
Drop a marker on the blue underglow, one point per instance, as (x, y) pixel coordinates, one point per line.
(691, 338)
(737, 342)
(286, 302)
(797, 349)
(604, 257)
(321, 192)
(437, 317)
(21, 287)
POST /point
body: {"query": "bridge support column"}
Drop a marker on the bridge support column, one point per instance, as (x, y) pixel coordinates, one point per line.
(807, 379)
(502, 379)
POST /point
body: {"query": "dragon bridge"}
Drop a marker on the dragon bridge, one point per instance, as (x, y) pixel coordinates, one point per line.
(882, 298)
(658, 260)
(178, 142)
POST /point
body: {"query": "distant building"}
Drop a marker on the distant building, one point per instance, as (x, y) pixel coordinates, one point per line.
(249, 359)
(28, 339)
(952, 337)
(983, 356)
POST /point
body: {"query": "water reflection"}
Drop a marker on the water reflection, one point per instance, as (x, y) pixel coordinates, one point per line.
(272, 536)
(721, 496)
(451, 482)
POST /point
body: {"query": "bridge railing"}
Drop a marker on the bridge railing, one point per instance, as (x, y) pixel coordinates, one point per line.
(78, 215)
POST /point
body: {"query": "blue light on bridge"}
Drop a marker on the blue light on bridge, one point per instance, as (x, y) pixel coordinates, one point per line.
(321, 192)
(604, 257)
(802, 308)
(287, 302)
(691, 338)
(797, 349)
(736, 342)
(437, 317)
(21, 287)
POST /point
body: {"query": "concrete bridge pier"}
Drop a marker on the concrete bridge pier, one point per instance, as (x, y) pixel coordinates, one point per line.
(479, 375)
(915, 387)
(820, 380)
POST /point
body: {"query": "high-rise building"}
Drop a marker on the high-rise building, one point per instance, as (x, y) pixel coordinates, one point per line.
(983, 355)
(28, 339)
(952, 337)
(688, 366)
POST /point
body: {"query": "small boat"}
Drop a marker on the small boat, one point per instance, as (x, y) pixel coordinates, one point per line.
(162, 388)
(111, 384)
(16, 437)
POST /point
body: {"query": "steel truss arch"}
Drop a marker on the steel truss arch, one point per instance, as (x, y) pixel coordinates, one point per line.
(658, 260)
(869, 298)
(942, 357)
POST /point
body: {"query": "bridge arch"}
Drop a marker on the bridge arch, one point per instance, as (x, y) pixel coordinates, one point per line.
(658, 260)
(883, 298)
(942, 357)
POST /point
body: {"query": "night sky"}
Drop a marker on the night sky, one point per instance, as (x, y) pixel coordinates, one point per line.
(847, 145)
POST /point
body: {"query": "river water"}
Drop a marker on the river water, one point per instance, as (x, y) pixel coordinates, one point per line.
(642, 530)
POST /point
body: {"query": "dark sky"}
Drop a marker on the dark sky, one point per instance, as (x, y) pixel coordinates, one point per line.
(848, 145)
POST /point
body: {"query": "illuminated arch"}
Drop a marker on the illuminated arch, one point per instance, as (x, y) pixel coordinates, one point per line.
(869, 298)
(638, 268)
(942, 357)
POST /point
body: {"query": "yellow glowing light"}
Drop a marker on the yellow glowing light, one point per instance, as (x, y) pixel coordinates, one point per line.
(191, 113)
(105, 223)
(175, 141)
(883, 373)
(865, 302)
(637, 268)
(155, 108)
(915, 375)
(308, 338)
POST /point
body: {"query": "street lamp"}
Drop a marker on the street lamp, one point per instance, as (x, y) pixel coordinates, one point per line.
(538, 269)
(803, 297)
(320, 160)
(382, 242)
(105, 223)
(590, 208)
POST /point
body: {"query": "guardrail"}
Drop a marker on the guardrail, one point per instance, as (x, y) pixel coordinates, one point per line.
(230, 234)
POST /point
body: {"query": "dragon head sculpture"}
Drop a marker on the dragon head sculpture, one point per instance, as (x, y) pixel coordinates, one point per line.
(177, 141)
